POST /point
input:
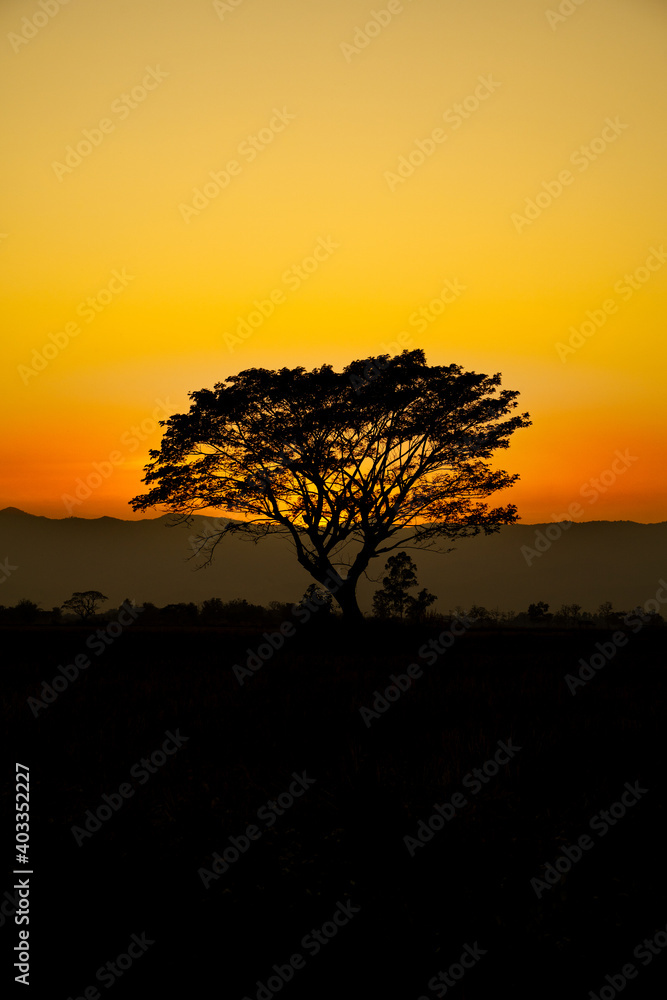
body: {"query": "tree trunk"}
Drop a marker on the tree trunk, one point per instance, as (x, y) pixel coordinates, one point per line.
(347, 601)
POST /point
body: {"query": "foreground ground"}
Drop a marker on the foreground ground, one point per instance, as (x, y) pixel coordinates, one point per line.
(406, 910)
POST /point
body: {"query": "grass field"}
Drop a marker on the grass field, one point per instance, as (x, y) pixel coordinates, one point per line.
(411, 912)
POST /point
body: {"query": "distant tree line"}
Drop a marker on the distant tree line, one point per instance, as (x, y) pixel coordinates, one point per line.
(391, 602)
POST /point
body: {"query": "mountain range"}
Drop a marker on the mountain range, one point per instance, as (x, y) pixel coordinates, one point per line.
(47, 559)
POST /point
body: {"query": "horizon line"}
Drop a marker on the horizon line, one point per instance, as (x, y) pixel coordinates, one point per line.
(158, 517)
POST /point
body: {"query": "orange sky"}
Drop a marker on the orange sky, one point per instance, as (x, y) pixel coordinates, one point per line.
(506, 151)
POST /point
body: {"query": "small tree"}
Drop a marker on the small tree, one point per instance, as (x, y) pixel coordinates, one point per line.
(393, 599)
(84, 603)
(317, 599)
(25, 612)
(150, 614)
(647, 618)
(570, 615)
(420, 604)
(212, 612)
(180, 614)
(480, 615)
(538, 612)
(606, 615)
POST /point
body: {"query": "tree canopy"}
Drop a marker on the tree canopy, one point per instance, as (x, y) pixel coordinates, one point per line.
(393, 599)
(84, 603)
(349, 465)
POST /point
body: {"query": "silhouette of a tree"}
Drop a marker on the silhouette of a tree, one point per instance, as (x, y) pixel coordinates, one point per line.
(317, 599)
(26, 612)
(84, 603)
(538, 612)
(393, 599)
(570, 613)
(212, 611)
(339, 464)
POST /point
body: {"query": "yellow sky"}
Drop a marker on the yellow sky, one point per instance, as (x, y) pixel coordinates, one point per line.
(377, 181)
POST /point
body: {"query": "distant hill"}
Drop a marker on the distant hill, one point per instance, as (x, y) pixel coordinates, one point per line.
(145, 560)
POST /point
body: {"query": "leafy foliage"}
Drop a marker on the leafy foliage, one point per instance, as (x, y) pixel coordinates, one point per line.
(393, 600)
(538, 611)
(84, 603)
(329, 459)
(317, 599)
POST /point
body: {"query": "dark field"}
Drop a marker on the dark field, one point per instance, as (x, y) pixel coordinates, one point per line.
(342, 840)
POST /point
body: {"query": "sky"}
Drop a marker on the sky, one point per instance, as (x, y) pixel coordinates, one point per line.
(191, 190)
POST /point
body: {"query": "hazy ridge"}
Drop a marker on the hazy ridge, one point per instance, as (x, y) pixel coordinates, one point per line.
(591, 562)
